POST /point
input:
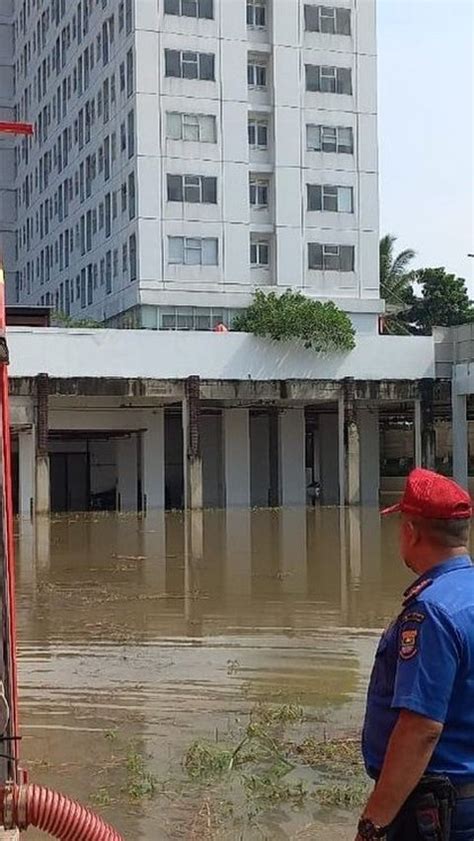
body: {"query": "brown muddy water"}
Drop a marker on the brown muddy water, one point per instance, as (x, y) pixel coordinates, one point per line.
(141, 637)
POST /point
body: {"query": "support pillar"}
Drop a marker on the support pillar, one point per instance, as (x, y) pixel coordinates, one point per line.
(460, 433)
(42, 477)
(153, 461)
(428, 432)
(417, 433)
(236, 458)
(341, 449)
(352, 442)
(192, 459)
(26, 471)
(368, 422)
(127, 466)
(292, 453)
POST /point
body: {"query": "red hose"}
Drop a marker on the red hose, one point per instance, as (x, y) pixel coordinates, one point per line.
(24, 806)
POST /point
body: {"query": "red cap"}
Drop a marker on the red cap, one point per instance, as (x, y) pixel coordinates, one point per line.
(435, 497)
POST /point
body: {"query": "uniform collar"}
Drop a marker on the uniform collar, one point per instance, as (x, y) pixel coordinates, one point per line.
(452, 564)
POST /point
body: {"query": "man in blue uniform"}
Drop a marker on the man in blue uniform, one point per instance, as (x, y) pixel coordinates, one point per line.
(418, 740)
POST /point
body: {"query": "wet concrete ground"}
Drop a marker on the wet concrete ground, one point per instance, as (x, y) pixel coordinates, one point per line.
(140, 636)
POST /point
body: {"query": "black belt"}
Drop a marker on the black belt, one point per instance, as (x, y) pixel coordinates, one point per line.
(463, 792)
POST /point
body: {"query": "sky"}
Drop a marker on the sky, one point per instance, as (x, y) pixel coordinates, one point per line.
(426, 125)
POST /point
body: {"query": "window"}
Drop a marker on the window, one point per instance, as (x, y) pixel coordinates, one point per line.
(131, 133)
(256, 74)
(331, 199)
(132, 256)
(256, 14)
(328, 79)
(327, 19)
(331, 258)
(329, 139)
(258, 188)
(260, 253)
(258, 134)
(197, 189)
(130, 73)
(192, 251)
(198, 127)
(190, 8)
(189, 65)
(131, 197)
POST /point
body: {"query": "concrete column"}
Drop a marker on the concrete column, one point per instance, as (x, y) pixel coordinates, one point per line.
(417, 433)
(192, 459)
(27, 476)
(292, 453)
(428, 432)
(368, 422)
(236, 458)
(460, 434)
(42, 478)
(329, 458)
(341, 449)
(127, 467)
(153, 461)
(353, 495)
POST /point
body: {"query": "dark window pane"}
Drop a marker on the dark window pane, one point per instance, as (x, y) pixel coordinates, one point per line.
(209, 190)
(189, 8)
(314, 197)
(262, 135)
(192, 189)
(189, 65)
(343, 17)
(344, 80)
(206, 66)
(175, 187)
(311, 18)
(251, 130)
(345, 140)
(312, 77)
(171, 7)
(260, 16)
(206, 9)
(346, 259)
(172, 63)
(328, 20)
(315, 255)
(328, 80)
(249, 14)
(330, 199)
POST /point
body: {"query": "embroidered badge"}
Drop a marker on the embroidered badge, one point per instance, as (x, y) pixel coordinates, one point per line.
(408, 646)
(414, 616)
(414, 592)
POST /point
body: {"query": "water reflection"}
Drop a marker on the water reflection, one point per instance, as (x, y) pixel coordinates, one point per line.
(165, 629)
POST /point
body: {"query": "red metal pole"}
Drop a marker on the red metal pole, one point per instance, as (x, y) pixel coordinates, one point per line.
(9, 644)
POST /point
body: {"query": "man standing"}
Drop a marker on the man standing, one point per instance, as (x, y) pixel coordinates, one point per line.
(418, 740)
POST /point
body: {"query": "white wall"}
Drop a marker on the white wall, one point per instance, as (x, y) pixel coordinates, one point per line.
(239, 356)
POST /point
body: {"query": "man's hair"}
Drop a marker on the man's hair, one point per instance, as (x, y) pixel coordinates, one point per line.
(449, 533)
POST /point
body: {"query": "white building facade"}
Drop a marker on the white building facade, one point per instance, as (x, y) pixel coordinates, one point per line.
(188, 152)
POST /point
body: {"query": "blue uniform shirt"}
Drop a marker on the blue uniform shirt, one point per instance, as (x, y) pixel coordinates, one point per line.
(425, 663)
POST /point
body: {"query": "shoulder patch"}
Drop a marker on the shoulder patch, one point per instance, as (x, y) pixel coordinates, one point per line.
(414, 592)
(408, 643)
(413, 616)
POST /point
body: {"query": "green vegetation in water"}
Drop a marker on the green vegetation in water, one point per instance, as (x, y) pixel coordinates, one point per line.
(102, 798)
(141, 784)
(265, 765)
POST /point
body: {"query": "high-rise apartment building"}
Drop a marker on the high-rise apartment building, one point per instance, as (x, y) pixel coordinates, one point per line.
(188, 152)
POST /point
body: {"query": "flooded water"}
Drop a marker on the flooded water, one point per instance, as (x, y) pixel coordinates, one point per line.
(140, 636)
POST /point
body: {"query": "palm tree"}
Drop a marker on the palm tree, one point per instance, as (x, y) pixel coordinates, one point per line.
(396, 283)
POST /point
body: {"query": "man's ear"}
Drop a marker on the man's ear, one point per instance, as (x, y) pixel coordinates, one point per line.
(414, 532)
